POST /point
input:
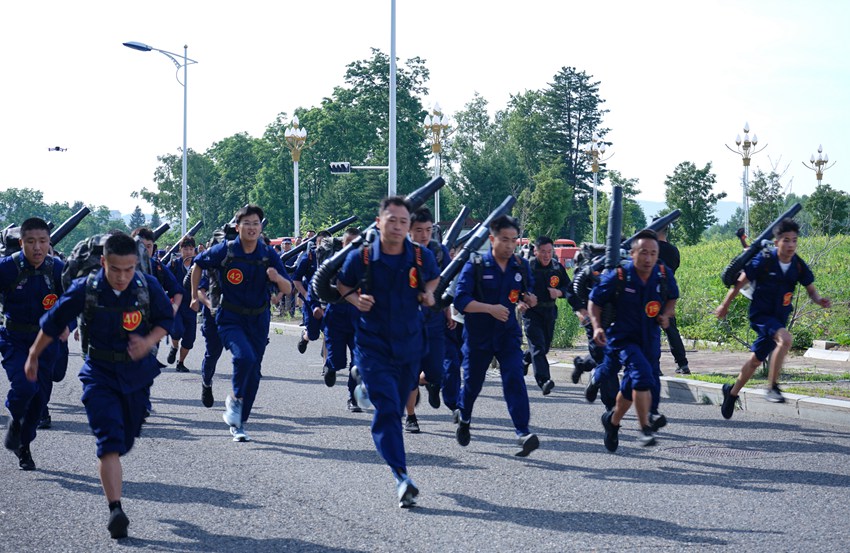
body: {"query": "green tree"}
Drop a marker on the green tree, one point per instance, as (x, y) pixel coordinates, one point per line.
(572, 108)
(488, 166)
(634, 218)
(689, 189)
(829, 210)
(137, 219)
(155, 220)
(727, 230)
(18, 204)
(767, 199)
(547, 206)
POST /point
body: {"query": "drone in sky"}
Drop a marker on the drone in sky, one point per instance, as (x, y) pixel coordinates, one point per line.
(57, 149)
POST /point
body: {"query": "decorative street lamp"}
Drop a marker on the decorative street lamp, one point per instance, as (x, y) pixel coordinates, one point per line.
(186, 63)
(596, 151)
(817, 165)
(295, 137)
(744, 150)
(437, 124)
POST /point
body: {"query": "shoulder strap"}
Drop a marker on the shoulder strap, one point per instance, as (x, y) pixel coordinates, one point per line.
(417, 266)
(366, 255)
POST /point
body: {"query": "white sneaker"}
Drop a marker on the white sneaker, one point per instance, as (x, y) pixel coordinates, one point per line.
(361, 395)
(239, 434)
(232, 411)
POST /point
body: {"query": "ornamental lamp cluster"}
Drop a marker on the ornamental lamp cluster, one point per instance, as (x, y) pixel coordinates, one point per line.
(295, 136)
(819, 164)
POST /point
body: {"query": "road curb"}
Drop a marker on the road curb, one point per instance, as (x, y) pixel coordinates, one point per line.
(826, 410)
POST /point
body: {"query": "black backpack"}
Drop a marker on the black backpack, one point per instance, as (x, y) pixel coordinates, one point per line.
(10, 241)
(85, 259)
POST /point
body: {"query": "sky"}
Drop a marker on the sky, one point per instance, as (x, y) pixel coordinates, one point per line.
(679, 79)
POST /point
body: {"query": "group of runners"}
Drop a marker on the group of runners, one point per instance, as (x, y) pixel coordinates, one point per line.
(390, 332)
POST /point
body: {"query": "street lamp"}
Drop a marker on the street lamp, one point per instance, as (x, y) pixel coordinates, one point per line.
(437, 124)
(186, 62)
(596, 151)
(817, 164)
(744, 147)
(295, 137)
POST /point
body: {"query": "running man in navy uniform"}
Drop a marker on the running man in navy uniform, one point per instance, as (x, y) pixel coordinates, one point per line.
(339, 323)
(421, 231)
(125, 313)
(550, 283)
(30, 282)
(244, 266)
(776, 275)
(311, 308)
(185, 328)
(643, 294)
(213, 347)
(387, 283)
(489, 291)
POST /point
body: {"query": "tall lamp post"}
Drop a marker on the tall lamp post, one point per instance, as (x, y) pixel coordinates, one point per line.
(295, 137)
(437, 129)
(817, 164)
(596, 151)
(185, 63)
(746, 149)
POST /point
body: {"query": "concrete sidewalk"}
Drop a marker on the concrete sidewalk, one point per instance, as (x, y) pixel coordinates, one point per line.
(828, 410)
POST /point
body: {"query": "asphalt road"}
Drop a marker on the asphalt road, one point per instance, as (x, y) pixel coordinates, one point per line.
(311, 480)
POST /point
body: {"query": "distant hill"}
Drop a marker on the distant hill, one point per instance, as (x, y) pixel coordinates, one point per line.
(725, 210)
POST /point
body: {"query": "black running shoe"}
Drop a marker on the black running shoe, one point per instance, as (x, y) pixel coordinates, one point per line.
(207, 395)
(411, 425)
(612, 432)
(578, 368)
(591, 391)
(527, 444)
(433, 395)
(462, 432)
(118, 524)
(683, 369)
(657, 422)
(727, 408)
(172, 356)
(546, 387)
(302, 345)
(181, 368)
(25, 461)
(353, 407)
(45, 423)
(329, 375)
(12, 440)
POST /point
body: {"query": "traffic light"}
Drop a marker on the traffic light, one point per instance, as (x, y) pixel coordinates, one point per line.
(340, 167)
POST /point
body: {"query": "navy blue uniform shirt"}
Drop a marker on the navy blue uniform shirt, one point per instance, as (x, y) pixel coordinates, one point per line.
(774, 293)
(108, 330)
(482, 330)
(393, 328)
(26, 303)
(637, 307)
(165, 278)
(244, 281)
